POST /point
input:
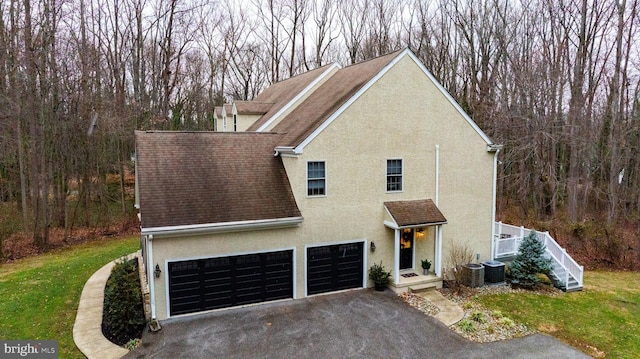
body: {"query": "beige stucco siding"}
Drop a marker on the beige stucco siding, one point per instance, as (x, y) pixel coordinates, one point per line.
(403, 115)
(244, 121)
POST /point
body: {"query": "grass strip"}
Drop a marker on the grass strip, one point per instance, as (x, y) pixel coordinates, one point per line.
(40, 294)
(603, 320)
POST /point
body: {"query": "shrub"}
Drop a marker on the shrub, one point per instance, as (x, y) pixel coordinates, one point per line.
(506, 322)
(133, 344)
(529, 262)
(123, 312)
(479, 317)
(467, 325)
(459, 254)
(378, 274)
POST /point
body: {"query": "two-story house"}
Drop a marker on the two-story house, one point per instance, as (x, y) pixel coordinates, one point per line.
(340, 168)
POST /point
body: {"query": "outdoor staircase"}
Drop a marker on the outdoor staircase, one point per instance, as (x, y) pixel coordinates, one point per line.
(557, 275)
(566, 274)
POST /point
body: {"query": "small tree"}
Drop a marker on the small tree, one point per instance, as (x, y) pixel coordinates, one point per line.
(529, 262)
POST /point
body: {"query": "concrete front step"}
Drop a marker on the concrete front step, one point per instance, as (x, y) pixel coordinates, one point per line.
(422, 287)
(417, 282)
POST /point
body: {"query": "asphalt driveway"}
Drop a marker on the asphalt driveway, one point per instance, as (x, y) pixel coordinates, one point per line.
(354, 324)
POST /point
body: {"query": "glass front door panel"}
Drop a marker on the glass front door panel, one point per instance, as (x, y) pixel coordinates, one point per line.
(406, 249)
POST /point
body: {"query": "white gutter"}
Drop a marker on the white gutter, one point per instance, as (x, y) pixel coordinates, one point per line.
(151, 277)
(496, 149)
(223, 227)
(285, 151)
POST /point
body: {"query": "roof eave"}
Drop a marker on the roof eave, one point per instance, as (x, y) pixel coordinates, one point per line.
(394, 225)
(222, 227)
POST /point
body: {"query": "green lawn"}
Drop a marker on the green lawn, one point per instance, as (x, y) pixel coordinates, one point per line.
(603, 320)
(39, 295)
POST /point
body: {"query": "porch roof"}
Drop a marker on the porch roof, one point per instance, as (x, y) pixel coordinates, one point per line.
(415, 213)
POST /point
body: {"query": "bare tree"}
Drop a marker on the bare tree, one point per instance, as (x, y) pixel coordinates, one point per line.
(323, 13)
(354, 17)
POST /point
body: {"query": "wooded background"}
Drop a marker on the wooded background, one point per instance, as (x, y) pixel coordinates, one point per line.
(556, 82)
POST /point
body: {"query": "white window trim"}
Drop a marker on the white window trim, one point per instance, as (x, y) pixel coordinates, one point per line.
(386, 176)
(307, 180)
(224, 124)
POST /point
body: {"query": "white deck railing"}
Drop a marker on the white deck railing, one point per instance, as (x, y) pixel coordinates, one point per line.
(507, 243)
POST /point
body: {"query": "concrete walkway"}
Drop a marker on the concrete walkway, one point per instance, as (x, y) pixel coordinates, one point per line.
(450, 313)
(87, 330)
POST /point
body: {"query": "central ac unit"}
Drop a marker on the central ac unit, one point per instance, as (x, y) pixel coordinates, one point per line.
(473, 275)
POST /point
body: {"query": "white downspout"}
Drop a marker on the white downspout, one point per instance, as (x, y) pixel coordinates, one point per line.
(493, 209)
(437, 173)
(152, 292)
(438, 249)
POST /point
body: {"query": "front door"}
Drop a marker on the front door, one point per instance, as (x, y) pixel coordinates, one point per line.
(406, 249)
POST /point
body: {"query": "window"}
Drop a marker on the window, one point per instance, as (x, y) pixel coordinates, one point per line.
(224, 124)
(235, 123)
(316, 179)
(394, 175)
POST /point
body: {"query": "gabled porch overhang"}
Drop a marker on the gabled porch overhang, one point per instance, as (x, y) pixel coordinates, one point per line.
(414, 214)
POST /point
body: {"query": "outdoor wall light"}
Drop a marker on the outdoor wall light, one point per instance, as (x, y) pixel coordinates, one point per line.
(157, 271)
(373, 247)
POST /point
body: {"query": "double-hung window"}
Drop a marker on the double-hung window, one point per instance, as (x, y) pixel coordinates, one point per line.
(394, 175)
(316, 178)
(235, 123)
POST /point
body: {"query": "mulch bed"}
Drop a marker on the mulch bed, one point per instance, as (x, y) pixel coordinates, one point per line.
(479, 324)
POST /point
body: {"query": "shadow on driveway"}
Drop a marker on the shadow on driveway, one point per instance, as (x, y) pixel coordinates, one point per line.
(353, 324)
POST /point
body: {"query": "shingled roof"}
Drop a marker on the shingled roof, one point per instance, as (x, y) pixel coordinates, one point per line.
(414, 213)
(328, 98)
(190, 178)
(281, 93)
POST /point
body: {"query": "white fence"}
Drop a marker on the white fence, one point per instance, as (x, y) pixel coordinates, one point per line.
(507, 243)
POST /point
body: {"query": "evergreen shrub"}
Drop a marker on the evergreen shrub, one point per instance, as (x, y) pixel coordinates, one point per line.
(123, 313)
(529, 262)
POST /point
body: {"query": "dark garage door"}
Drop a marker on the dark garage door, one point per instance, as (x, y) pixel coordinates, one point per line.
(335, 267)
(212, 283)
